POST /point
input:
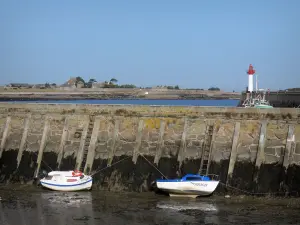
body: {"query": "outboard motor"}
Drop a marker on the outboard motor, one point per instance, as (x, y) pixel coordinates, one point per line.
(153, 186)
(40, 175)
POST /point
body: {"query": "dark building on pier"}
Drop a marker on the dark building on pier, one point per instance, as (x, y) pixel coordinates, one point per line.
(289, 98)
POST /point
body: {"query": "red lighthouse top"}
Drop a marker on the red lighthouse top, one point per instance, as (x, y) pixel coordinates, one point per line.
(251, 71)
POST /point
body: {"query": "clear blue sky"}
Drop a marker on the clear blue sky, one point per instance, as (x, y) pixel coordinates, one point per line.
(194, 43)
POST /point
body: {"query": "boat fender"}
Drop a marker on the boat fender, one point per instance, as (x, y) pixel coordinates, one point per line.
(76, 173)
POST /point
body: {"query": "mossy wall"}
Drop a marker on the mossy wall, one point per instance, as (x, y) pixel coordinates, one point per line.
(171, 137)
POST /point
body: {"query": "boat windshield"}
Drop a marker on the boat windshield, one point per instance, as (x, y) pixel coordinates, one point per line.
(48, 177)
(193, 178)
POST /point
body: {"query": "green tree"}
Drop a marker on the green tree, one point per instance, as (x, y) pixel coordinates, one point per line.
(79, 79)
(214, 89)
(90, 83)
(92, 80)
(127, 86)
(176, 87)
(113, 81)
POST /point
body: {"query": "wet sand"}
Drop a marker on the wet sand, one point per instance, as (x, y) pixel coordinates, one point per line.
(32, 205)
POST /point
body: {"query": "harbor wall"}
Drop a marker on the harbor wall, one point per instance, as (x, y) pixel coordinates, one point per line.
(284, 99)
(251, 149)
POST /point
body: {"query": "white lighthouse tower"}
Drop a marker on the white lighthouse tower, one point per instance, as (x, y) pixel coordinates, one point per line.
(250, 73)
(255, 100)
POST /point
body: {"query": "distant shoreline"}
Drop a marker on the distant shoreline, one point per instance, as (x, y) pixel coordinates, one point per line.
(74, 97)
(115, 93)
(9, 99)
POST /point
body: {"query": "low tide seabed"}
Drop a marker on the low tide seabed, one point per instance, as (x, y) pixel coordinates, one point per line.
(28, 204)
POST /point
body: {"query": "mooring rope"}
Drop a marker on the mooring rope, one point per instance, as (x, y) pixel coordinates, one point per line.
(235, 188)
(226, 185)
(44, 162)
(254, 193)
(153, 166)
(98, 171)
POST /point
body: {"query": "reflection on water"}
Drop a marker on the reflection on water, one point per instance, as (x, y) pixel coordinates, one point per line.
(187, 204)
(61, 199)
(179, 208)
(49, 207)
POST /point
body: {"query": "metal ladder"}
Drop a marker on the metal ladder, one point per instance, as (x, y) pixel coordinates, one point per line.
(206, 151)
(87, 142)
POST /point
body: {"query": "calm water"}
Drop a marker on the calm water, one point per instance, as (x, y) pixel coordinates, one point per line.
(228, 103)
(42, 207)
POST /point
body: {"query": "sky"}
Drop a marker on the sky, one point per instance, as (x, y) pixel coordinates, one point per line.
(193, 44)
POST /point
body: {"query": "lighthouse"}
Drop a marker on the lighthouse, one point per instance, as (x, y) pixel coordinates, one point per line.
(250, 73)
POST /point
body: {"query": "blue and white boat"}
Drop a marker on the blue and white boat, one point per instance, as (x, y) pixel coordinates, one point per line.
(191, 185)
(67, 181)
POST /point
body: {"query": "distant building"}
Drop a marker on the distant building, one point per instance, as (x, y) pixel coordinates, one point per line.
(98, 85)
(79, 84)
(19, 85)
(71, 83)
(53, 85)
(157, 87)
(293, 89)
(160, 87)
(39, 86)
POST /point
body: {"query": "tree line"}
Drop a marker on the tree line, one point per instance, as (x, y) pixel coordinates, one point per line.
(112, 83)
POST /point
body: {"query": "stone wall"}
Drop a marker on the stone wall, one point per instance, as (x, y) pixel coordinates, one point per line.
(252, 149)
(286, 99)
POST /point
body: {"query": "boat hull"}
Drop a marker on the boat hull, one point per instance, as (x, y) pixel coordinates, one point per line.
(263, 106)
(78, 186)
(191, 189)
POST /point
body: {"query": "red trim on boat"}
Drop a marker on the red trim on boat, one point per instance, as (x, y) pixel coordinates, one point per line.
(71, 180)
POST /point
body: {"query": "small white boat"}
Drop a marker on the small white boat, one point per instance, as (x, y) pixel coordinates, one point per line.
(67, 181)
(188, 186)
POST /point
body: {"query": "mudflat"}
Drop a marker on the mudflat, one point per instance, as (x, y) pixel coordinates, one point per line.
(27, 204)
